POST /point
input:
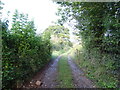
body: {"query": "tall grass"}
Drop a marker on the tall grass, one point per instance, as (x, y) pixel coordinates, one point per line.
(101, 68)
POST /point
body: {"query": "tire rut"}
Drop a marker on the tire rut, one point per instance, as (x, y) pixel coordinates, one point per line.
(79, 79)
(49, 80)
(45, 78)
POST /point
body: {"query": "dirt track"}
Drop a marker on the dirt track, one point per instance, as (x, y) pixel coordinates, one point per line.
(47, 78)
(80, 80)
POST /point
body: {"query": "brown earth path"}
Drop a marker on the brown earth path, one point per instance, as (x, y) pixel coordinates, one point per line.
(45, 78)
(49, 80)
(79, 78)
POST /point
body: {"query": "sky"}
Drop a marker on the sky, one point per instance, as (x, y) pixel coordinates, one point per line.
(42, 11)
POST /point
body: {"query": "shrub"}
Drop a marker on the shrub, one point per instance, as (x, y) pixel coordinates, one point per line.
(24, 52)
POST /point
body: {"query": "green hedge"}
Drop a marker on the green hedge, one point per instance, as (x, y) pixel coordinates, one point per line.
(23, 52)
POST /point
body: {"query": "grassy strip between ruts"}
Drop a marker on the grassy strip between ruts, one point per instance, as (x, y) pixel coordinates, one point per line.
(64, 74)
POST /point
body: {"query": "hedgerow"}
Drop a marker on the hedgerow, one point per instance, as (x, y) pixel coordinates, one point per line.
(23, 52)
(98, 29)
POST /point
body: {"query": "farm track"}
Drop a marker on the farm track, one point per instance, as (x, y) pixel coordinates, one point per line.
(47, 77)
(79, 78)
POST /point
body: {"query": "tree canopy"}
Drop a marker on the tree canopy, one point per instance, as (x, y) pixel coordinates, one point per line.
(98, 25)
(60, 37)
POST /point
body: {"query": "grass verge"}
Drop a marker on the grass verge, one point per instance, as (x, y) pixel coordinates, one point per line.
(64, 74)
(98, 67)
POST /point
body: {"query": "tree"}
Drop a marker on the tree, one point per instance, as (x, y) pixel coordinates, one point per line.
(99, 29)
(59, 36)
(91, 20)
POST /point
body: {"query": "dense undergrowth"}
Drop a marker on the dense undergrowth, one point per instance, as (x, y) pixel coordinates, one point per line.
(101, 68)
(23, 52)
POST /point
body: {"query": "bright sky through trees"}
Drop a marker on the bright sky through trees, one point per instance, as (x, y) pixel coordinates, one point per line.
(43, 12)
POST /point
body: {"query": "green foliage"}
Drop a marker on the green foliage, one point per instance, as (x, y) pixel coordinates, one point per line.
(59, 37)
(24, 52)
(99, 68)
(98, 23)
(99, 29)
